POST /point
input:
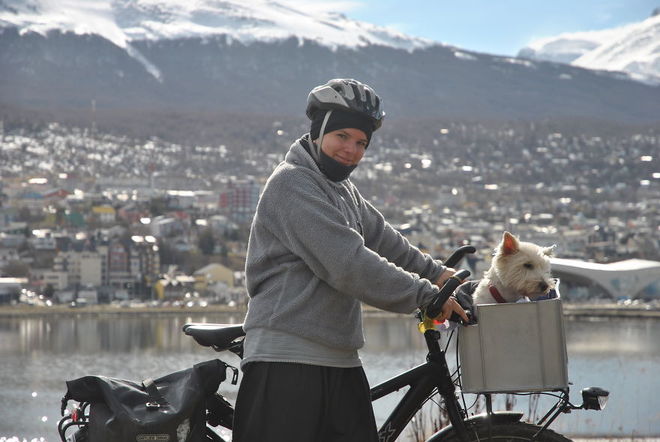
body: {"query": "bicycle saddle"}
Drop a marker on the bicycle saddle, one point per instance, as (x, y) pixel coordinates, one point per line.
(218, 336)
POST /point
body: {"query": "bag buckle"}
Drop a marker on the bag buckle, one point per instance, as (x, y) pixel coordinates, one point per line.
(153, 405)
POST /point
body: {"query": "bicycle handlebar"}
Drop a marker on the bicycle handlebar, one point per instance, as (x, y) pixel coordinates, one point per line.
(458, 254)
(435, 307)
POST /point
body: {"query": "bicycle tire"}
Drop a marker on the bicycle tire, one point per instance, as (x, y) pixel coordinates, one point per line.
(506, 432)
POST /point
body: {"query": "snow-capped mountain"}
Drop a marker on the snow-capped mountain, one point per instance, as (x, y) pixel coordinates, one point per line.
(633, 49)
(263, 57)
(124, 22)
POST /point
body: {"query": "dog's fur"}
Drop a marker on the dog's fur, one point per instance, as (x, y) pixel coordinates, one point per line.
(519, 269)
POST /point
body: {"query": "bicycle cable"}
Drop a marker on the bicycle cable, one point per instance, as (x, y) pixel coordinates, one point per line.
(458, 380)
(451, 335)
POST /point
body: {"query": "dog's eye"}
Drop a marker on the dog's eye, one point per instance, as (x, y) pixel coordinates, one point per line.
(528, 265)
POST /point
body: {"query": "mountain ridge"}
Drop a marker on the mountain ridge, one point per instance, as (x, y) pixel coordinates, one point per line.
(633, 48)
(55, 69)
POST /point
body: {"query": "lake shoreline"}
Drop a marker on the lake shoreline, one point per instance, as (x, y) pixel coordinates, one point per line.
(571, 310)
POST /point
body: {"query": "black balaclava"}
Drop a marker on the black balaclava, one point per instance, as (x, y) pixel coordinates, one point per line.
(337, 119)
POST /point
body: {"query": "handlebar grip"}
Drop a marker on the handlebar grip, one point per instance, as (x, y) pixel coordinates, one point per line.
(458, 254)
(435, 307)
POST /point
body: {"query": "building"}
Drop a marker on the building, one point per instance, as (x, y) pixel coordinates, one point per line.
(239, 200)
(131, 213)
(174, 288)
(7, 255)
(211, 274)
(10, 288)
(54, 195)
(43, 242)
(145, 264)
(631, 278)
(105, 213)
(118, 267)
(40, 278)
(84, 268)
(165, 227)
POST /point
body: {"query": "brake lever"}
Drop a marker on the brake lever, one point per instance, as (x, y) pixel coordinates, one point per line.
(472, 319)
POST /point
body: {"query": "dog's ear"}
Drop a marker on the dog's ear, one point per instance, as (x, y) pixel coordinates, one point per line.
(509, 244)
(550, 251)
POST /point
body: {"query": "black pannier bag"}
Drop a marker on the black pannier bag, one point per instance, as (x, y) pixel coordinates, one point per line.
(168, 409)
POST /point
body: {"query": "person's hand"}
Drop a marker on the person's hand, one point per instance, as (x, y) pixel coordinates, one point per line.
(449, 307)
(448, 273)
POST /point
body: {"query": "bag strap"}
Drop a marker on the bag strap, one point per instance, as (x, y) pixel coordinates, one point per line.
(156, 400)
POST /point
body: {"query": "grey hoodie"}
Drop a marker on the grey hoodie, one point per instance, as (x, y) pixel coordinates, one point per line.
(317, 249)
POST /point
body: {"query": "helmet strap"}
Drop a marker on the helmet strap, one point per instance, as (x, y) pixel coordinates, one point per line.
(317, 147)
(332, 169)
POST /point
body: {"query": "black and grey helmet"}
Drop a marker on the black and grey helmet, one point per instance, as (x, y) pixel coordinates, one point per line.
(349, 95)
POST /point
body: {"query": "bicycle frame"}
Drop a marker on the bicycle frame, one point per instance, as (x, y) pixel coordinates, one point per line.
(422, 380)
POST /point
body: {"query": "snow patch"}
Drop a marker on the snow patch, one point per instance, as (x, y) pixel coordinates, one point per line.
(519, 61)
(464, 56)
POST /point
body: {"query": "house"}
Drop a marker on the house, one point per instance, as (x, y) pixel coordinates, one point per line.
(32, 200)
(43, 242)
(7, 255)
(87, 295)
(211, 274)
(105, 213)
(180, 199)
(57, 279)
(10, 288)
(56, 194)
(162, 226)
(174, 287)
(222, 225)
(131, 213)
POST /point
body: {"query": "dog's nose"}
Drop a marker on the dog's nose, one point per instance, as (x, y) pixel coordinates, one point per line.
(543, 286)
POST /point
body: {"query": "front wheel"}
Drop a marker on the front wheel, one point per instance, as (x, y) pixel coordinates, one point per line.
(514, 432)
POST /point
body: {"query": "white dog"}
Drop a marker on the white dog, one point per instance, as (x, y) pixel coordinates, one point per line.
(518, 270)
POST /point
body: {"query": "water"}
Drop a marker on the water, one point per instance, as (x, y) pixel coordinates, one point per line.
(38, 354)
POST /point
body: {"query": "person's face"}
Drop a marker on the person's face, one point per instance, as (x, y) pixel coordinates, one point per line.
(345, 145)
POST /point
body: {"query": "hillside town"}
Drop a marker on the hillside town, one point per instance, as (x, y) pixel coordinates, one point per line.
(89, 217)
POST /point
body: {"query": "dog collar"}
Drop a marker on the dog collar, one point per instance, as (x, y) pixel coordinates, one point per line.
(496, 294)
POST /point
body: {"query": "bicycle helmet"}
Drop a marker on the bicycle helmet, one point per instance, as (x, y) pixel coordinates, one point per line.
(348, 95)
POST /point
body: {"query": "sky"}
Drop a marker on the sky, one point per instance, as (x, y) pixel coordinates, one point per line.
(500, 27)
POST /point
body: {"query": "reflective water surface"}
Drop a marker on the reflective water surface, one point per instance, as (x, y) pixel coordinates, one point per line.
(38, 354)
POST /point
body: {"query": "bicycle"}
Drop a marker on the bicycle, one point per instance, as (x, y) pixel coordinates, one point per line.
(424, 381)
(433, 377)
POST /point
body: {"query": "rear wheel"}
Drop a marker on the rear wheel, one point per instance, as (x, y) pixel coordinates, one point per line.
(514, 432)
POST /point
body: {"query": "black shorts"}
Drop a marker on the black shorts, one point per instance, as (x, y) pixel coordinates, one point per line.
(303, 403)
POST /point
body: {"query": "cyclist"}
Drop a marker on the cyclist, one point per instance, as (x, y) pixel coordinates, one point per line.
(317, 250)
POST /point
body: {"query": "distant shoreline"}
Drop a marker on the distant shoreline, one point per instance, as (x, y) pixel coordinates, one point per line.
(570, 311)
(609, 311)
(105, 309)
